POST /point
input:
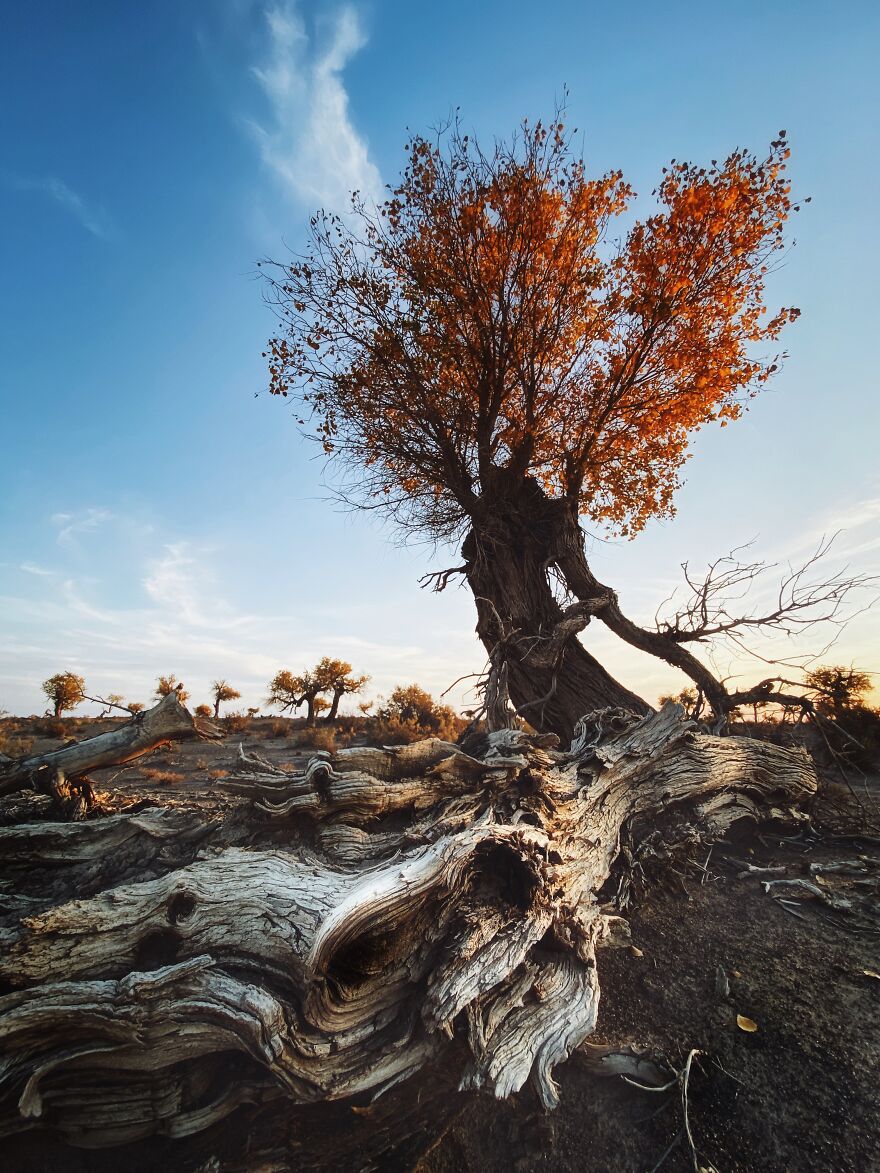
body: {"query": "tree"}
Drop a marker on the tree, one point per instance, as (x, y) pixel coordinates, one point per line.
(839, 688)
(136, 707)
(434, 911)
(222, 690)
(285, 691)
(65, 691)
(204, 711)
(288, 692)
(169, 684)
(336, 677)
(489, 367)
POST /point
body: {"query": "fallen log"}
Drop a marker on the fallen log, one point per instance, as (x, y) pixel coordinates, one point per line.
(383, 912)
(166, 722)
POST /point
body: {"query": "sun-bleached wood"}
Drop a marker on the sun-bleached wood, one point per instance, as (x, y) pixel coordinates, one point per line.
(167, 721)
(411, 900)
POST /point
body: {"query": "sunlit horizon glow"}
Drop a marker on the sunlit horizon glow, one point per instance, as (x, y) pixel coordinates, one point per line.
(159, 519)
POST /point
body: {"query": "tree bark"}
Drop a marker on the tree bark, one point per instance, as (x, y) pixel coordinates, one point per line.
(508, 554)
(381, 914)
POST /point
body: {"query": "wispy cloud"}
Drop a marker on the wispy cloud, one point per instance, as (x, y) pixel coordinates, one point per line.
(91, 216)
(180, 582)
(72, 525)
(313, 146)
(32, 568)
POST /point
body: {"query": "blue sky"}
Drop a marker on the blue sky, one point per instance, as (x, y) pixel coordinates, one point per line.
(157, 517)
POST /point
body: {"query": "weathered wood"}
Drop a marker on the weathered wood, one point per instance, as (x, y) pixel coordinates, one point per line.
(167, 721)
(421, 903)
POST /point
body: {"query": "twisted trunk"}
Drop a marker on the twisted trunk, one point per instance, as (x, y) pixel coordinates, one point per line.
(334, 705)
(518, 539)
(508, 554)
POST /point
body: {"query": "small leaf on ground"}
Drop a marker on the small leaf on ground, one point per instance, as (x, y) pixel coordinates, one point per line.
(746, 1024)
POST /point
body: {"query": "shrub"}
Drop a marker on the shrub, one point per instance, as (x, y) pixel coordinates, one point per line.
(164, 776)
(50, 727)
(322, 738)
(236, 722)
(411, 713)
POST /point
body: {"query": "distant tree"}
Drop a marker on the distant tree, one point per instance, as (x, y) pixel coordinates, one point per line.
(839, 688)
(168, 684)
(288, 692)
(204, 711)
(222, 691)
(412, 706)
(64, 690)
(336, 677)
(311, 687)
(253, 711)
(135, 707)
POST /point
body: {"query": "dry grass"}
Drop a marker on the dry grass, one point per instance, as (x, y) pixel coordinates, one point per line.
(165, 776)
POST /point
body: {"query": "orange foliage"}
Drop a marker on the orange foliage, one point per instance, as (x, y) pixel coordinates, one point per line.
(482, 320)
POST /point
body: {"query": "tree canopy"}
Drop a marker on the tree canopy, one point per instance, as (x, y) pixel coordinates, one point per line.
(64, 690)
(485, 318)
(222, 690)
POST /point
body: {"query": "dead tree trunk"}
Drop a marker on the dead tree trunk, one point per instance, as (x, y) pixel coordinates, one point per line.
(382, 913)
(167, 721)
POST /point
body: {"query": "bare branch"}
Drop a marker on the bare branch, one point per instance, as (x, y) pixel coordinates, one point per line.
(575, 618)
(438, 580)
(800, 602)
